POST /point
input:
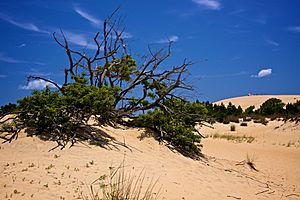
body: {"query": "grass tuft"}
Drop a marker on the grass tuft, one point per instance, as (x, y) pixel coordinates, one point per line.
(236, 138)
(119, 185)
(232, 127)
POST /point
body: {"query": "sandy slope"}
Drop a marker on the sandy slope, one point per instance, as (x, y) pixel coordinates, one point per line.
(257, 100)
(29, 171)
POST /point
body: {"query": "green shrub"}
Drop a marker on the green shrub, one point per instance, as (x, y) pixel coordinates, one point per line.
(176, 127)
(244, 124)
(260, 119)
(272, 106)
(62, 115)
(9, 108)
(249, 110)
(226, 120)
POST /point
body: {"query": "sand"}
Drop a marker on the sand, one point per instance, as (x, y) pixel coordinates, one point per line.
(257, 100)
(29, 171)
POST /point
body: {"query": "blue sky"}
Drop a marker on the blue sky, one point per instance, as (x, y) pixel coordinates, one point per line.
(238, 46)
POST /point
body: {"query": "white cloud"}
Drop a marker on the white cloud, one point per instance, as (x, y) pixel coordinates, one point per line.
(25, 26)
(263, 73)
(93, 20)
(209, 4)
(271, 42)
(173, 38)
(3, 76)
(36, 85)
(295, 29)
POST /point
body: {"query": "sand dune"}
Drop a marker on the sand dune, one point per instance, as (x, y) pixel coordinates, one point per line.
(29, 171)
(257, 100)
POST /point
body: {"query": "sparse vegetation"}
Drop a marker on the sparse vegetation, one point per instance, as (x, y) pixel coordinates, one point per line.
(250, 162)
(244, 124)
(119, 185)
(236, 138)
(232, 127)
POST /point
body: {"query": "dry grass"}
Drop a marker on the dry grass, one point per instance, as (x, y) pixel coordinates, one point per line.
(120, 185)
(232, 127)
(236, 138)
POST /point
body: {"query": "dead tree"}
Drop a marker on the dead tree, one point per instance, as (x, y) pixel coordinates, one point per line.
(142, 86)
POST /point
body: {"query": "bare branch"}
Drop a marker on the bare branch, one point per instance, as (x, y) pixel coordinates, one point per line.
(47, 80)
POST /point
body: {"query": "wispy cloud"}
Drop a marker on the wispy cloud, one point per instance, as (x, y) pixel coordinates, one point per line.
(126, 35)
(209, 4)
(173, 38)
(93, 20)
(263, 73)
(237, 11)
(38, 72)
(260, 20)
(271, 42)
(295, 29)
(22, 45)
(3, 76)
(80, 40)
(23, 25)
(222, 75)
(36, 85)
(8, 59)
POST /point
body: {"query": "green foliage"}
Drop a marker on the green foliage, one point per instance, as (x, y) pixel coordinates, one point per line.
(89, 100)
(249, 110)
(64, 112)
(272, 106)
(9, 108)
(176, 126)
(123, 68)
(293, 109)
(224, 114)
(244, 124)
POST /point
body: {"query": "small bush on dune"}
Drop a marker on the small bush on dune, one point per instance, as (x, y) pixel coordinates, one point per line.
(225, 120)
(244, 124)
(63, 115)
(176, 126)
(9, 108)
(232, 128)
(260, 119)
(271, 106)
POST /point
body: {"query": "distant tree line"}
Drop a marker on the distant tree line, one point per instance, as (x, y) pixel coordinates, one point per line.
(272, 108)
